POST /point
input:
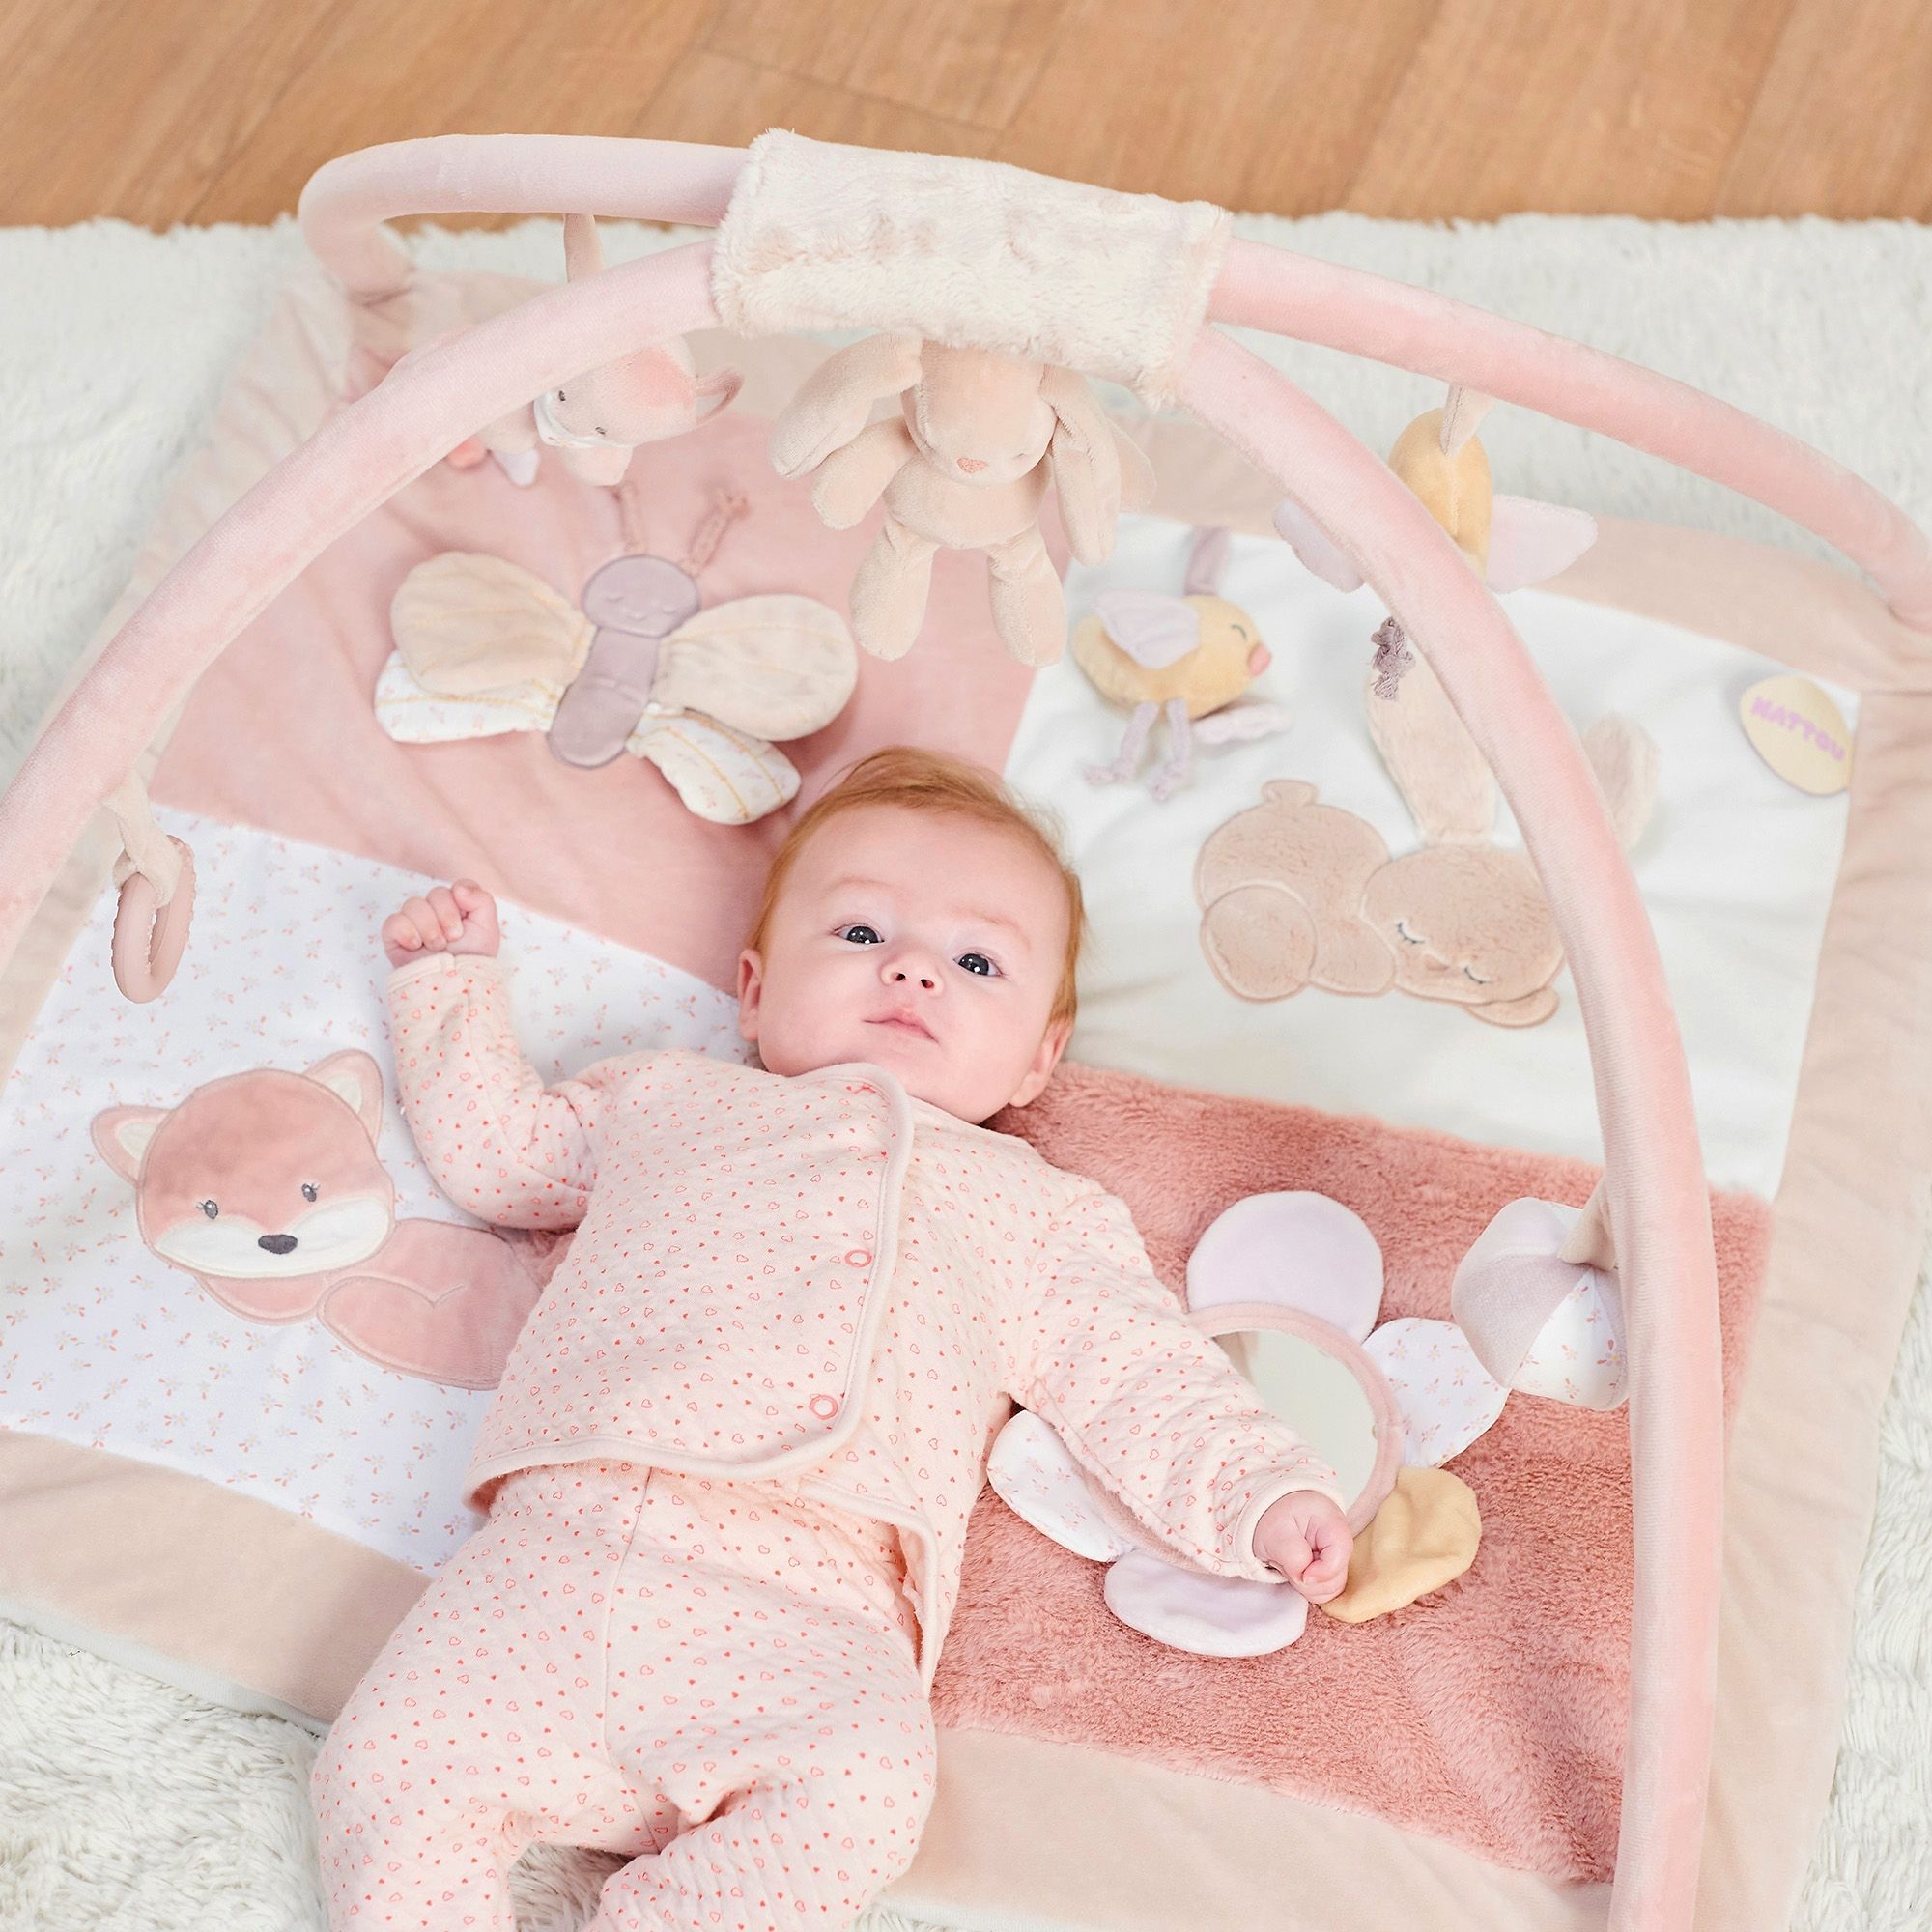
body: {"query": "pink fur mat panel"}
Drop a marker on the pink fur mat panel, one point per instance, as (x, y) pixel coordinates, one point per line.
(1490, 1714)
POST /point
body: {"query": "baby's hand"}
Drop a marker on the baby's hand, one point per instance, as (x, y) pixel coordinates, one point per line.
(452, 918)
(1307, 1539)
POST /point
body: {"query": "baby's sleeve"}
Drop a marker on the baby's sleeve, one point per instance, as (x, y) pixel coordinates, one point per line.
(1147, 1403)
(499, 1141)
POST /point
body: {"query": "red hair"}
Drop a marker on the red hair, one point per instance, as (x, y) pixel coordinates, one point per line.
(920, 781)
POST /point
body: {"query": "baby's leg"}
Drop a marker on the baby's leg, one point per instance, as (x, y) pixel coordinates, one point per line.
(480, 1728)
(763, 1680)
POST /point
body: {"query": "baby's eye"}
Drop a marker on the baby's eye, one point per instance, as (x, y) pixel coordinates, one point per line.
(861, 935)
(978, 962)
(310, 1190)
(1470, 973)
(209, 1208)
(1414, 939)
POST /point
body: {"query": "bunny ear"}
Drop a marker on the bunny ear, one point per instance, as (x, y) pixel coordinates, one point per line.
(1033, 1473)
(1085, 459)
(1211, 1617)
(1623, 756)
(1313, 545)
(583, 248)
(1442, 777)
(1294, 1250)
(1138, 481)
(1530, 542)
(1153, 629)
(1447, 1397)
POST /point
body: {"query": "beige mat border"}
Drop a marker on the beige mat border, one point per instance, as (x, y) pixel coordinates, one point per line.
(1851, 1210)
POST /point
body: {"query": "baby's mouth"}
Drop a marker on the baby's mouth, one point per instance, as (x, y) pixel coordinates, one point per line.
(904, 1023)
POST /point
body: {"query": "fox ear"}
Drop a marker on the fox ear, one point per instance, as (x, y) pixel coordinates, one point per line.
(357, 1079)
(122, 1133)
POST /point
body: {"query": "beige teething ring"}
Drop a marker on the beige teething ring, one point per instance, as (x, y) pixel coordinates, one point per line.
(149, 936)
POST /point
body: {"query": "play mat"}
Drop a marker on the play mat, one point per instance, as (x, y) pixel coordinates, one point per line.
(1417, 899)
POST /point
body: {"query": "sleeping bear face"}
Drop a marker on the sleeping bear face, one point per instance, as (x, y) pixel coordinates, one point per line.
(260, 1176)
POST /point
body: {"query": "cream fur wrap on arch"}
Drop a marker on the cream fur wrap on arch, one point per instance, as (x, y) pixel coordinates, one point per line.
(1115, 286)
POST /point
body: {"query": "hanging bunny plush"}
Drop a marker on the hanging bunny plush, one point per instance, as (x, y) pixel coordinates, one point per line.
(484, 647)
(596, 419)
(963, 464)
(1185, 659)
(1290, 1284)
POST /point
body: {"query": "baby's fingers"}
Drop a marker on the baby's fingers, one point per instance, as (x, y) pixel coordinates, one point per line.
(446, 911)
(424, 922)
(400, 935)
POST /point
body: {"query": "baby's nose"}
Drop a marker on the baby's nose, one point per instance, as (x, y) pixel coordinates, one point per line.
(904, 972)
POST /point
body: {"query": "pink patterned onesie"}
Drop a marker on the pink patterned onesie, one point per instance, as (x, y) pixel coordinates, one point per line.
(728, 1473)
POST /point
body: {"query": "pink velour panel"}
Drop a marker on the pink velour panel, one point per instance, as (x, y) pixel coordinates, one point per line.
(280, 730)
(1490, 1714)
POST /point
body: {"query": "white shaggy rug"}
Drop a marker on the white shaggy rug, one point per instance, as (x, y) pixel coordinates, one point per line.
(127, 1805)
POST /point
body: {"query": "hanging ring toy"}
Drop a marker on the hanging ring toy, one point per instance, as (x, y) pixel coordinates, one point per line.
(149, 931)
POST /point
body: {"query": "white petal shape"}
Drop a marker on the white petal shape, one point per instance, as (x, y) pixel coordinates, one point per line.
(1313, 545)
(1552, 1328)
(1033, 1474)
(1578, 1357)
(1214, 1616)
(1292, 1250)
(1446, 1396)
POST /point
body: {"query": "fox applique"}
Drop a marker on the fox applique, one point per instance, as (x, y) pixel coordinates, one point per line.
(265, 1186)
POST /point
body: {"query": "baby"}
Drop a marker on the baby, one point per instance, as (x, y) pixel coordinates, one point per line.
(731, 1464)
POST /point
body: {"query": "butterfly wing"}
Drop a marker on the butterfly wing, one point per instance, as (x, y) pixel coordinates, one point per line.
(724, 776)
(413, 716)
(773, 667)
(1153, 629)
(1532, 542)
(466, 623)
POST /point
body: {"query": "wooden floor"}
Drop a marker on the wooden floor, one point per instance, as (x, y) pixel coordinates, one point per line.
(217, 110)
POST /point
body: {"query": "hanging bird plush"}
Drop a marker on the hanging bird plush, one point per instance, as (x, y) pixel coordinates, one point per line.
(1185, 658)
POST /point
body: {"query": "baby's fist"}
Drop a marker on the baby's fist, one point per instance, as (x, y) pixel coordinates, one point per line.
(461, 918)
(1306, 1538)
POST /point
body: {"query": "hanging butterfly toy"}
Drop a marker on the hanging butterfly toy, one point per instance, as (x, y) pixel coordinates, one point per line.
(485, 648)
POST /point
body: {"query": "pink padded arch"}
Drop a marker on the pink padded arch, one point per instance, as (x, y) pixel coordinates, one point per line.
(1658, 1208)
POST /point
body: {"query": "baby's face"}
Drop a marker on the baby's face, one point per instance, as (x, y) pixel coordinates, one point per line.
(927, 944)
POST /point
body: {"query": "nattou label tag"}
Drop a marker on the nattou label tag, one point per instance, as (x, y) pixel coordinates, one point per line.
(1798, 732)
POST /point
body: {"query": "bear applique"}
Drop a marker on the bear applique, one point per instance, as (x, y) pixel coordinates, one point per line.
(265, 1186)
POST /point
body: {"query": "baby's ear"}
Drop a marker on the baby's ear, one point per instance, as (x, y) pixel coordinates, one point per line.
(1052, 1045)
(751, 984)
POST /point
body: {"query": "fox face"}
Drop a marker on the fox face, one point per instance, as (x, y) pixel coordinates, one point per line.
(263, 1176)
